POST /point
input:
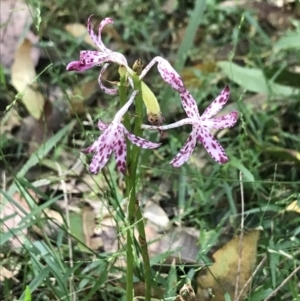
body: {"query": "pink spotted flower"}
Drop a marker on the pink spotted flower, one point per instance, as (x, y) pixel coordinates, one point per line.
(113, 140)
(89, 58)
(201, 127)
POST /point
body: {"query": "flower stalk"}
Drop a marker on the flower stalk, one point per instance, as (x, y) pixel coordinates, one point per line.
(117, 139)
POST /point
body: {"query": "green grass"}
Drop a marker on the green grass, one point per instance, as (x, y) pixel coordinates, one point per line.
(247, 54)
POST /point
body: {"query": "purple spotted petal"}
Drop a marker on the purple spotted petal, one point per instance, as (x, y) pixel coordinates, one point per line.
(101, 125)
(90, 149)
(217, 104)
(97, 39)
(100, 158)
(125, 108)
(167, 72)
(106, 90)
(212, 146)
(189, 104)
(102, 149)
(222, 122)
(78, 66)
(120, 150)
(186, 150)
(140, 142)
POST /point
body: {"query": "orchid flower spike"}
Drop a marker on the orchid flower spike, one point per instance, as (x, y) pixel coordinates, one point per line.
(201, 126)
(113, 140)
(88, 58)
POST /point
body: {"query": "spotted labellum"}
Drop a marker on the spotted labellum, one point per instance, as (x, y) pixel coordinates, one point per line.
(113, 140)
(201, 126)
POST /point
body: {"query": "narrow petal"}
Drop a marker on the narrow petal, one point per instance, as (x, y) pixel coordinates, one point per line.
(170, 76)
(120, 151)
(212, 146)
(96, 58)
(101, 125)
(100, 158)
(97, 39)
(167, 72)
(222, 122)
(90, 149)
(170, 126)
(78, 66)
(217, 104)
(103, 23)
(96, 144)
(125, 108)
(106, 90)
(189, 104)
(186, 150)
(140, 142)
(102, 149)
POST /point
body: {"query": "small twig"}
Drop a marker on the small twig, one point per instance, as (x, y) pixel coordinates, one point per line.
(236, 292)
(283, 283)
(64, 188)
(252, 276)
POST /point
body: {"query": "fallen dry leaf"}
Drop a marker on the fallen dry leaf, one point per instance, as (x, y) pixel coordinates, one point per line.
(180, 241)
(22, 75)
(155, 214)
(186, 293)
(80, 93)
(7, 274)
(294, 206)
(220, 277)
(8, 209)
(15, 22)
(78, 30)
(36, 132)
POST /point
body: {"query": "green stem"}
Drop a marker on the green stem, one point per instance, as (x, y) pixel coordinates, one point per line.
(133, 153)
(128, 182)
(145, 253)
(135, 157)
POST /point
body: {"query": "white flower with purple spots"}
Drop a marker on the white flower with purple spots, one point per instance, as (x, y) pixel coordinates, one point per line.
(89, 58)
(201, 126)
(113, 140)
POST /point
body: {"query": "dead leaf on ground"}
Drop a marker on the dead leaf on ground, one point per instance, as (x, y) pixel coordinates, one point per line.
(23, 76)
(16, 215)
(7, 274)
(80, 93)
(179, 241)
(190, 77)
(52, 226)
(78, 30)
(10, 121)
(102, 234)
(186, 293)
(154, 213)
(294, 206)
(15, 22)
(36, 132)
(220, 277)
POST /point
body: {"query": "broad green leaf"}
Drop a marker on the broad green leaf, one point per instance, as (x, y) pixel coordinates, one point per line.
(27, 294)
(254, 80)
(289, 41)
(251, 79)
(246, 172)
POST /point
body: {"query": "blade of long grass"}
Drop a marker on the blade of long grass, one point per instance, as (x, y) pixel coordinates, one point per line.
(190, 33)
(42, 151)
